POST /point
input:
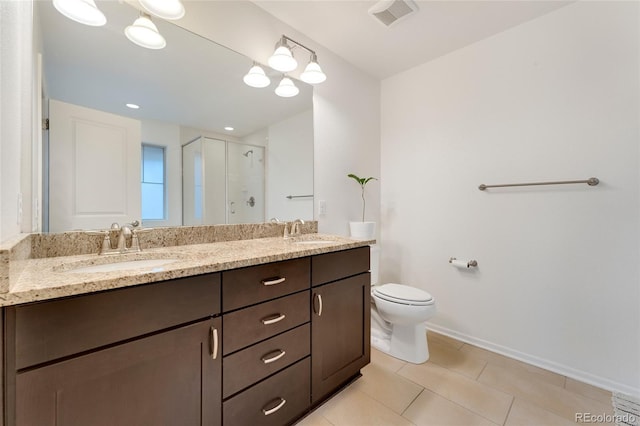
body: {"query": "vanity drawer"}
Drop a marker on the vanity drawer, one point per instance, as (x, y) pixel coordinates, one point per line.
(259, 322)
(341, 264)
(54, 329)
(289, 390)
(255, 284)
(250, 365)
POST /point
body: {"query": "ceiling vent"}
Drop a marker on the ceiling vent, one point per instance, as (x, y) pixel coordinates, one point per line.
(388, 12)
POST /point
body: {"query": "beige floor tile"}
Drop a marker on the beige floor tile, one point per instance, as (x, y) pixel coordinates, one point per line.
(430, 409)
(432, 336)
(462, 362)
(354, 408)
(592, 392)
(388, 388)
(517, 366)
(483, 400)
(386, 361)
(541, 393)
(524, 413)
(314, 419)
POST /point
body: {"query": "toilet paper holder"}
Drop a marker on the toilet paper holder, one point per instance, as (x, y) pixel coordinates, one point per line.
(460, 263)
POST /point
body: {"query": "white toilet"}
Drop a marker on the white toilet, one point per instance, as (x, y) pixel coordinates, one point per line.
(398, 313)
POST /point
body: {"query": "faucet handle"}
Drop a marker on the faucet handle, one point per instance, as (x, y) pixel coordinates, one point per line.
(135, 241)
(106, 241)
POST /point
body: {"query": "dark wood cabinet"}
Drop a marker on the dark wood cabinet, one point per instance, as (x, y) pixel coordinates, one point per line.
(340, 327)
(169, 378)
(143, 355)
(255, 345)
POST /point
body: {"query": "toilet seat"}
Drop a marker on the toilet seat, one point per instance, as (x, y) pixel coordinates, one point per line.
(403, 294)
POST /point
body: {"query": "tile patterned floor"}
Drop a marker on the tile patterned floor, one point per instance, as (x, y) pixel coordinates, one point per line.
(460, 385)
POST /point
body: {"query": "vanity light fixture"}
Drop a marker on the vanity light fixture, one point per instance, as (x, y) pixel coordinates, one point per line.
(286, 88)
(256, 77)
(144, 33)
(83, 11)
(283, 60)
(313, 73)
(165, 9)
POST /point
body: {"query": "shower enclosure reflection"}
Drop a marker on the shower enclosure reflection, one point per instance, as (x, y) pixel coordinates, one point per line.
(223, 182)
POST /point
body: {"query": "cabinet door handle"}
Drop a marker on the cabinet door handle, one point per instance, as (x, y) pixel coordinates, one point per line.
(273, 319)
(319, 311)
(214, 343)
(273, 358)
(266, 411)
(273, 281)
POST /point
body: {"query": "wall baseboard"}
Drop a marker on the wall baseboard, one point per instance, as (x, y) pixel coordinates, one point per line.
(564, 370)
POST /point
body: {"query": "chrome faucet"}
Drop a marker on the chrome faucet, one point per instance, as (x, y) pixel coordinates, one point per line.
(295, 227)
(124, 232)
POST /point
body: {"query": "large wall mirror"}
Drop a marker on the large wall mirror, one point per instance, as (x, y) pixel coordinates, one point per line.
(102, 158)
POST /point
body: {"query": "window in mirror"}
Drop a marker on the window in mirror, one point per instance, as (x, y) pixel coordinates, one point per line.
(153, 182)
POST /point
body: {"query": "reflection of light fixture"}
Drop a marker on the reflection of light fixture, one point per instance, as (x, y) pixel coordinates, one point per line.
(144, 33)
(282, 59)
(286, 88)
(133, 106)
(256, 77)
(83, 11)
(312, 73)
(165, 9)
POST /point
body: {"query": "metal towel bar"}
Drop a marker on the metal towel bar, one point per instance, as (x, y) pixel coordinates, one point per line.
(299, 196)
(591, 182)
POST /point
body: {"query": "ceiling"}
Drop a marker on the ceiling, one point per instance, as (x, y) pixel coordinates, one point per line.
(439, 27)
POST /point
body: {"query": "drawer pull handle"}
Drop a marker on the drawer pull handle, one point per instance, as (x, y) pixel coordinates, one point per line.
(273, 358)
(272, 320)
(214, 343)
(276, 408)
(319, 311)
(273, 281)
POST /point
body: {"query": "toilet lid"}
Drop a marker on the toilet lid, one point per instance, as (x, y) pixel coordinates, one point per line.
(403, 294)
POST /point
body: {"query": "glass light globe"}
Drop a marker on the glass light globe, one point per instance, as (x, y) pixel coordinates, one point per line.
(256, 77)
(83, 11)
(283, 60)
(313, 73)
(144, 33)
(165, 9)
(287, 88)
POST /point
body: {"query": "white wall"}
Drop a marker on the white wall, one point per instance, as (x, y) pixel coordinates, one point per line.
(16, 64)
(558, 278)
(346, 107)
(289, 154)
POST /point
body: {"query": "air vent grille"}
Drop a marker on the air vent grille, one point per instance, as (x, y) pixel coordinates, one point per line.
(389, 12)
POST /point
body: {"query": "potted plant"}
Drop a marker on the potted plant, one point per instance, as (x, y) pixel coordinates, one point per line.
(362, 230)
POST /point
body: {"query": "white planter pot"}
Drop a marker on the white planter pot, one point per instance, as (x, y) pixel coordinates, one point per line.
(362, 230)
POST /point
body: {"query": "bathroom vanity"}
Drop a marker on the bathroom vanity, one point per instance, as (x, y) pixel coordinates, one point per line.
(260, 344)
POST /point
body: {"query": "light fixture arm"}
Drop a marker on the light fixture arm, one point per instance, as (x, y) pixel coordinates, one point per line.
(284, 39)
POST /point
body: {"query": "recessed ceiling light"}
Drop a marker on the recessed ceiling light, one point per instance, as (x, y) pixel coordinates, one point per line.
(133, 106)
(229, 128)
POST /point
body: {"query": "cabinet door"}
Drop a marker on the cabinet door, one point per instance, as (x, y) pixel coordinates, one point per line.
(340, 333)
(170, 378)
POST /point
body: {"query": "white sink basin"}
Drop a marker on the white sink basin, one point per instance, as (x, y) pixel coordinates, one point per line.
(146, 265)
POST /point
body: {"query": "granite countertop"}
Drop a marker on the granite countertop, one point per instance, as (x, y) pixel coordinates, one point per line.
(53, 277)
